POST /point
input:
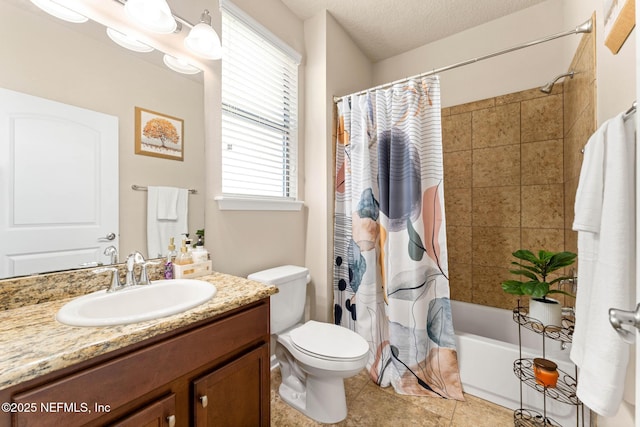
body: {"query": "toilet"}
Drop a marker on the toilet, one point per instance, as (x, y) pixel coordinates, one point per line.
(314, 357)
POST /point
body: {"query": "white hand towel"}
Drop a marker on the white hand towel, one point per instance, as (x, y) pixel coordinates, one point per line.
(598, 351)
(167, 204)
(159, 231)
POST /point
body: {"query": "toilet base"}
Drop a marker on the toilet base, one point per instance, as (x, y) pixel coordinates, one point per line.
(323, 399)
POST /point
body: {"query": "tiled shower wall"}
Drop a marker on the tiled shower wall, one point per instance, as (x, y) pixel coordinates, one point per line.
(511, 168)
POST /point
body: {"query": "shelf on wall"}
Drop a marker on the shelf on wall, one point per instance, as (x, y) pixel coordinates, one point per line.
(562, 333)
(530, 418)
(565, 390)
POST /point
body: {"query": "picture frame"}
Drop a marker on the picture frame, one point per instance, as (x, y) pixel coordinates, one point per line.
(158, 135)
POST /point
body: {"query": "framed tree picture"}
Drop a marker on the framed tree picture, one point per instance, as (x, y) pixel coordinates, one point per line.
(159, 135)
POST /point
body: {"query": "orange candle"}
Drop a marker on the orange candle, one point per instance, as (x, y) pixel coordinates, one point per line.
(545, 372)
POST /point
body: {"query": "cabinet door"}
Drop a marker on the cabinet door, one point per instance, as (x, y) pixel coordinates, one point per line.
(161, 413)
(236, 394)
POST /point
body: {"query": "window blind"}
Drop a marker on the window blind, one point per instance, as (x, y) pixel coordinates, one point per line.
(259, 110)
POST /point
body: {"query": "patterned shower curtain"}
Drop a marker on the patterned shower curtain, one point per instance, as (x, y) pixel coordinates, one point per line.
(390, 256)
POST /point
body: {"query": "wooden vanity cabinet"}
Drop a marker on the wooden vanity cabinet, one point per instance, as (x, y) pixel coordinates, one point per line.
(216, 373)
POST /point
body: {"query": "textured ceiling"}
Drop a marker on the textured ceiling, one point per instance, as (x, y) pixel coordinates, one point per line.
(385, 28)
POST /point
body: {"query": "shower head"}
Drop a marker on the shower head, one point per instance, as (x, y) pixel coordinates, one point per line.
(549, 86)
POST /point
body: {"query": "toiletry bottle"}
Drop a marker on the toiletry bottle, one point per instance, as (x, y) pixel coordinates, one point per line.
(168, 264)
(184, 257)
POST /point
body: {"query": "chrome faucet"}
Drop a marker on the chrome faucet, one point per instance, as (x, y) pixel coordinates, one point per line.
(112, 252)
(115, 278)
(133, 259)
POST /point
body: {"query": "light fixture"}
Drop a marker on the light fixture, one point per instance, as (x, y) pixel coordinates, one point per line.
(153, 15)
(203, 39)
(179, 65)
(127, 41)
(59, 11)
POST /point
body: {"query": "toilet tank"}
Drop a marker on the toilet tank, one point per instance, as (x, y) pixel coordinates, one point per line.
(287, 306)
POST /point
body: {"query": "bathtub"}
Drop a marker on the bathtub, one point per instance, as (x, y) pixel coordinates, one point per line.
(487, 340)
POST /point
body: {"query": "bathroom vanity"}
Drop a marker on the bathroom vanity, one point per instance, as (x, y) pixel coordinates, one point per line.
(206, 366)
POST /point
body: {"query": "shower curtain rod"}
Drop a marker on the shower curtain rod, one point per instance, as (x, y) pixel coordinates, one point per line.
(585, 27)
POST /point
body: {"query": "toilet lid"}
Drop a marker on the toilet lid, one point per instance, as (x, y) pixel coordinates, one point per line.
(329, 341)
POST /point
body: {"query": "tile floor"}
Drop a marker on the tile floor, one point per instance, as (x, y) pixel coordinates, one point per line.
(371, 406)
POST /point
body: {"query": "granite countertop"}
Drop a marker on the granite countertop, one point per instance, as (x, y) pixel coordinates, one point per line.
(34, 343)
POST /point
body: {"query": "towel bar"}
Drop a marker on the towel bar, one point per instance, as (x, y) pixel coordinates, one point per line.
(143, 188)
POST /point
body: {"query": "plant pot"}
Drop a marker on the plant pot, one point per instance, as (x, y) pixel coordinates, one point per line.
(546, 311)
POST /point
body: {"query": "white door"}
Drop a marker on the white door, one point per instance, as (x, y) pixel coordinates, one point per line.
(58, 185)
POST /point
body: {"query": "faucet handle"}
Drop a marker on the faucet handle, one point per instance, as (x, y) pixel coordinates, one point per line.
(115, 277)
(144, 276)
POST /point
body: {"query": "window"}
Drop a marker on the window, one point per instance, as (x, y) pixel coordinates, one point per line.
(259, 110)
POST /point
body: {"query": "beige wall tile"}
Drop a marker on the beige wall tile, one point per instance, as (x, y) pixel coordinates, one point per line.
(457, 169)
(543, 206)
(549, 239)
(570, 188)
(575, 140)
(486, 287)
(580, 91)
(457, 204)
(525, 95)
(456, 132)
(496, 166)
(542, 118)
(497, 126)
(570, 241)
(460, 282)
(473, 106)
(496, 206)
(459, 244)
(492, 246)
(542, 162)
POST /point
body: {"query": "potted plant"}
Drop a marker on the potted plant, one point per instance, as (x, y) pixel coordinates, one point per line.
(536, 269)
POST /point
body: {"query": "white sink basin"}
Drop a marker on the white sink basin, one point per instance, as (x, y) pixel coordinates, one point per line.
(137, 303)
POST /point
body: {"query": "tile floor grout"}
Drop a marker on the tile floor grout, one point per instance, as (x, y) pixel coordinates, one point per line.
(371, 405)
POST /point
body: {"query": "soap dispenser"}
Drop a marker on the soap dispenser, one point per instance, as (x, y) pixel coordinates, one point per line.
(184, 257)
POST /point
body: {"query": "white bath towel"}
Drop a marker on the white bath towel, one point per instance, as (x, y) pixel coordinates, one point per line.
(606, 269)
(160, 202)
(167, 206)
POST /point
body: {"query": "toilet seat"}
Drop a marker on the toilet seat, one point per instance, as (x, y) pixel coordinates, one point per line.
(329, 342)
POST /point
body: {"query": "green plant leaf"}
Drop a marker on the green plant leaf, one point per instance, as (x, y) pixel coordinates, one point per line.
(512, 287)
(525, 273)
(534, 269)
(538, 289)
(526, 255)
(544, 255)
(561, 259)
(557, 291)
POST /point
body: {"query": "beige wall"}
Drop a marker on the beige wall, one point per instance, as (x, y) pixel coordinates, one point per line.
(501, 75)
(54, 61)
(335, 66)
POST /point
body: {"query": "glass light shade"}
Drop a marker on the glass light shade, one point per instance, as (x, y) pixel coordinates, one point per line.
(127, 41)
(204, 42)
(179, 65)
(153, 15)
(59, 11)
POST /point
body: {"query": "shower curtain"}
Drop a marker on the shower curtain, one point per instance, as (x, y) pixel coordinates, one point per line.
(390, 254)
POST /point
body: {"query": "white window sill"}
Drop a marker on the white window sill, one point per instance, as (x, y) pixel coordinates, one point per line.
(226, 203)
